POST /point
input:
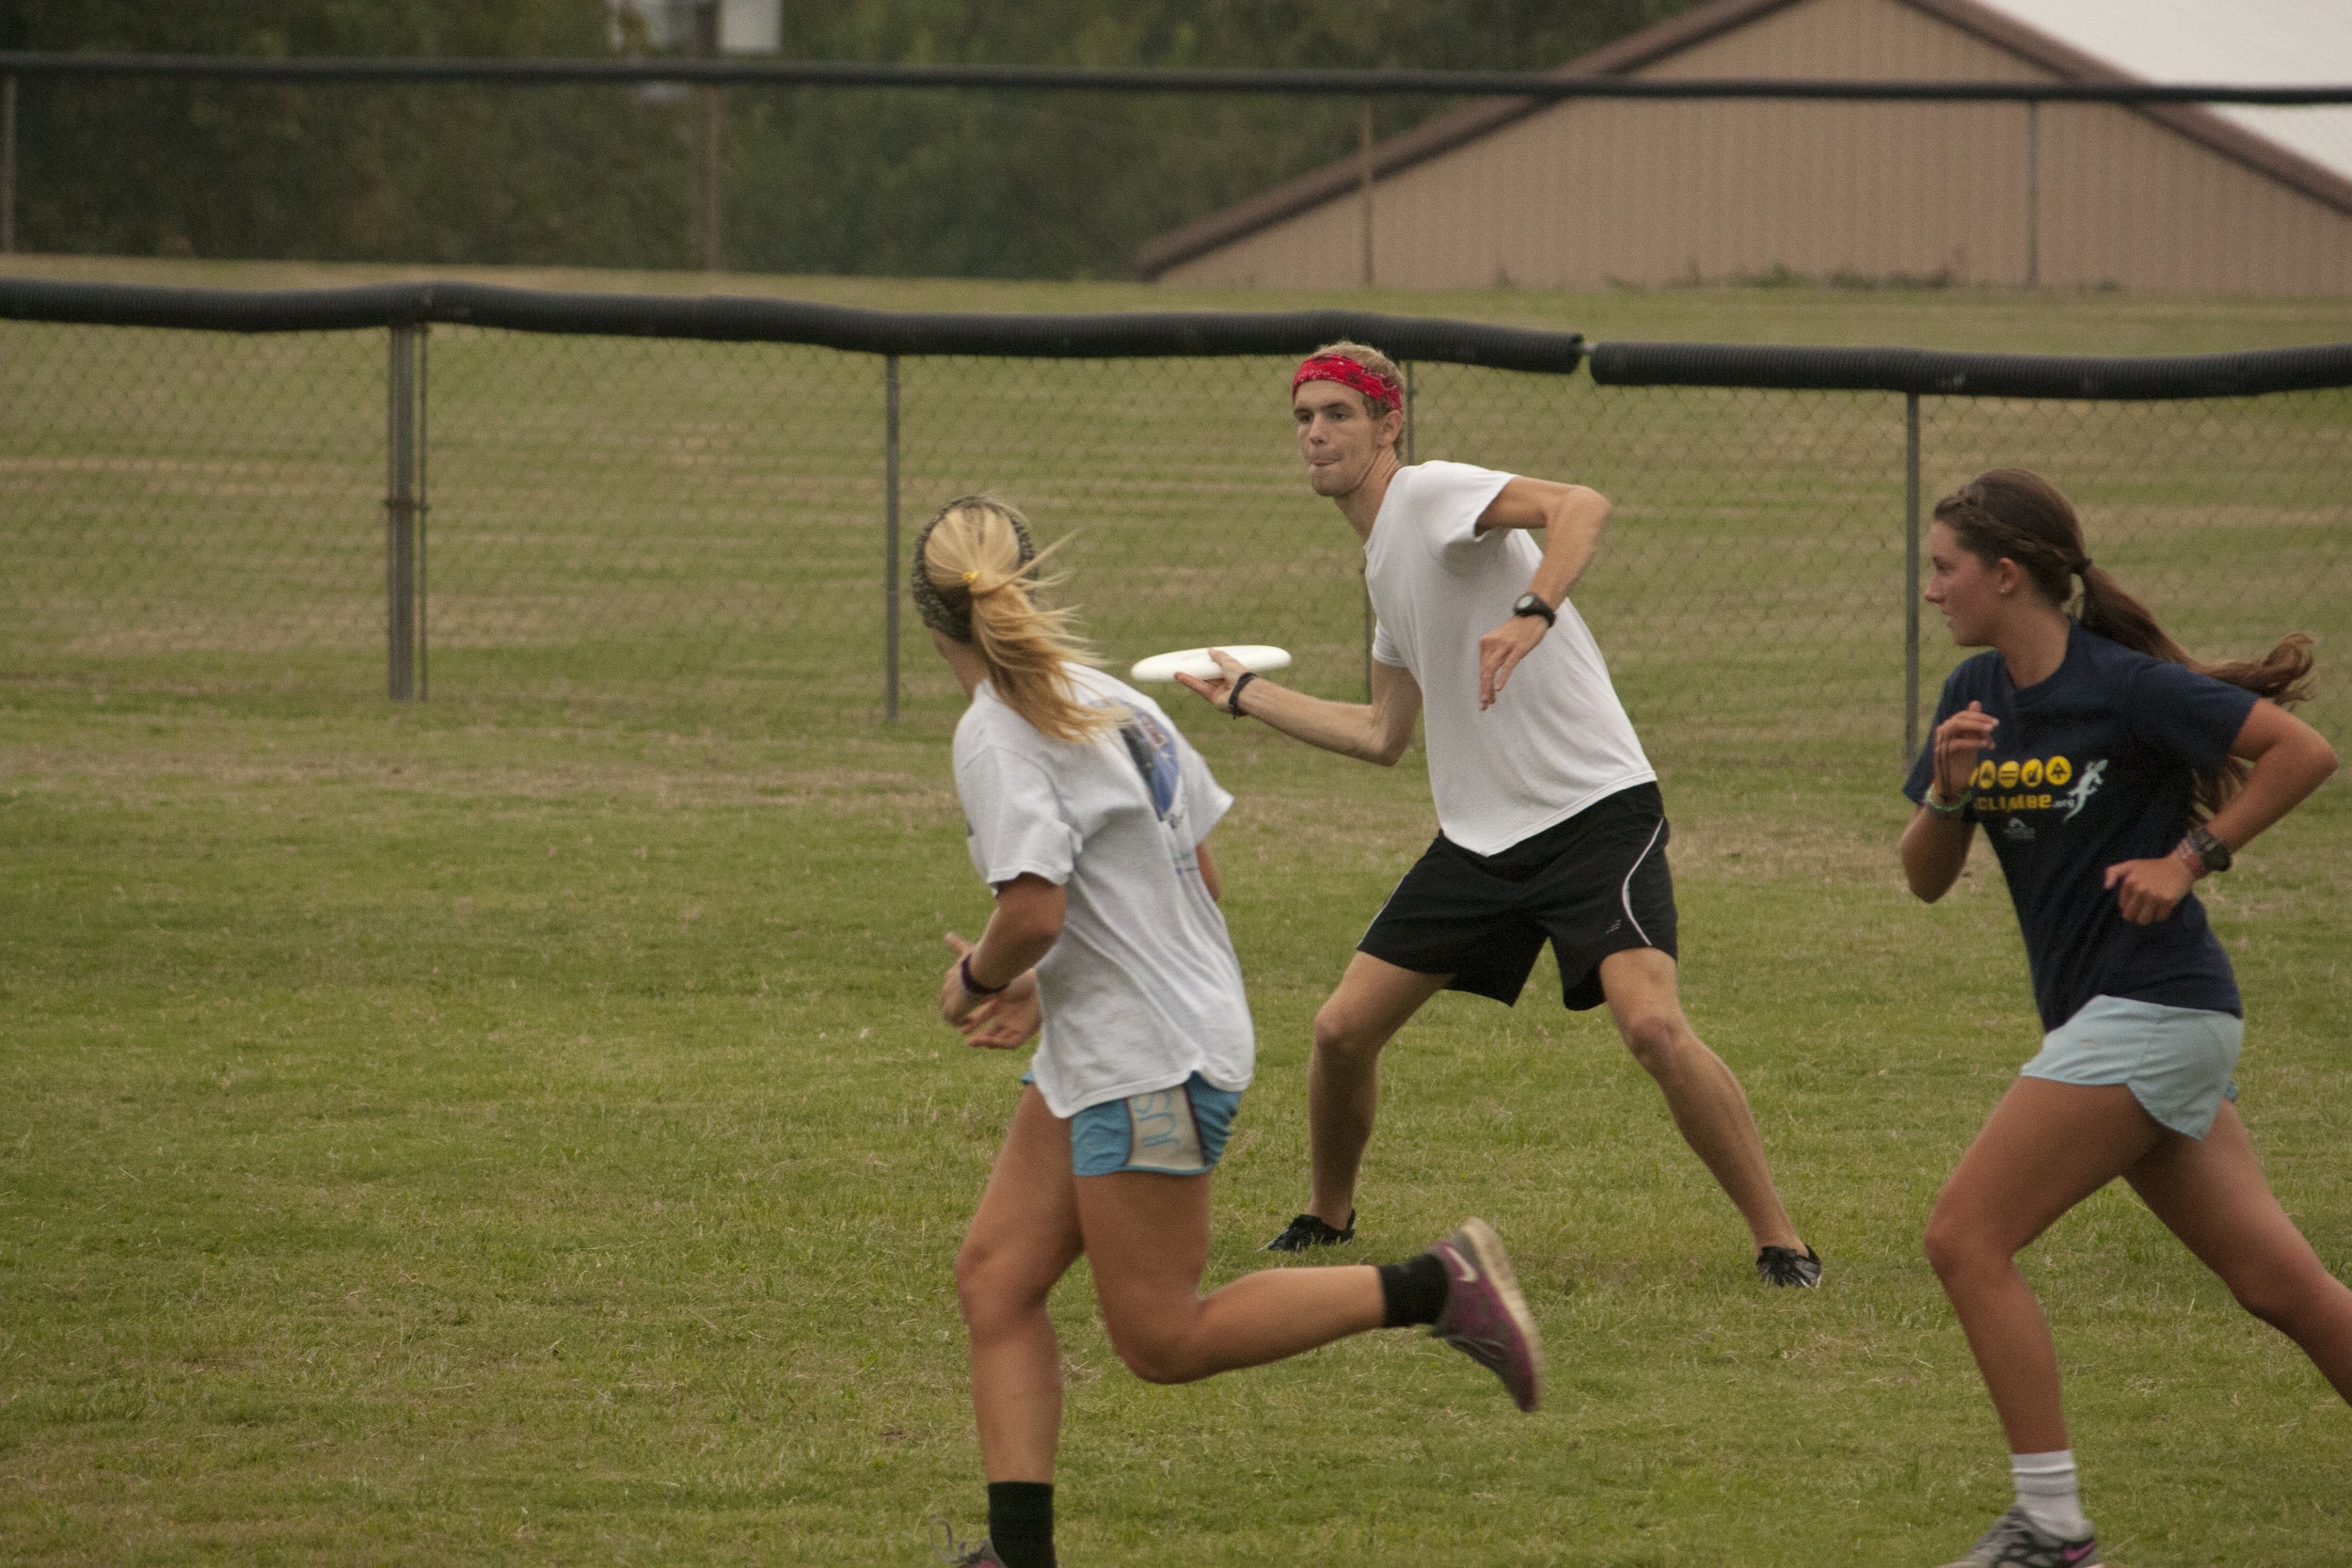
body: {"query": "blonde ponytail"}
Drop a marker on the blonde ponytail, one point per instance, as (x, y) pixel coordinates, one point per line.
(981, 573)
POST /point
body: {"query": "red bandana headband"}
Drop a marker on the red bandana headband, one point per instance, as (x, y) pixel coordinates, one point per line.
(1377, 389)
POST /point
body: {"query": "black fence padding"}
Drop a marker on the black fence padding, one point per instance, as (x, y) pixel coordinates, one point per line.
(1984, 375)
(1134, 335)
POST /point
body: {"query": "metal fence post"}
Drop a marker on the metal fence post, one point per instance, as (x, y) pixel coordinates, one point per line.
(2033, 195)
(8, 167)
(423, 516)
(403, 501)
(1910, 576)
(890, 539)
(709, 116)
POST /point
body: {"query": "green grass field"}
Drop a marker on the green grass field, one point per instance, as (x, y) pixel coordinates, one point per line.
(513, 1126)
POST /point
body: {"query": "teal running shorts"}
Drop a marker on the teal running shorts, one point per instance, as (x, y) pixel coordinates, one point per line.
(2177, 1061)
(1177, 1132)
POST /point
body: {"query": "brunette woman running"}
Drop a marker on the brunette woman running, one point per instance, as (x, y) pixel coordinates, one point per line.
(2110, 771)
(1087, 810)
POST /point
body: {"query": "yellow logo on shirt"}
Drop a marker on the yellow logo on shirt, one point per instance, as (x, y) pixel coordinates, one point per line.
(2027, 776)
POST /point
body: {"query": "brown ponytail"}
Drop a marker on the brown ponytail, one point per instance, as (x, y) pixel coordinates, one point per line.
(2012, 515)
(984, 583)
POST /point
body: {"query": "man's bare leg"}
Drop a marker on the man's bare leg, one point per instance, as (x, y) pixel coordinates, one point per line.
(1374, 1000)
(1709, 1107)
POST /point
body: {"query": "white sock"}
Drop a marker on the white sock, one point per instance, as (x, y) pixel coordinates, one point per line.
(2046, 1491)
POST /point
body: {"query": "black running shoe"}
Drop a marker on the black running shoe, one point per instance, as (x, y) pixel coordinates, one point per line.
(1307, 1231)
(961, 1553)
(1783, 1265)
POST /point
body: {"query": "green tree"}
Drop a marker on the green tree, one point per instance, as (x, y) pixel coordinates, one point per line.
(992, 185)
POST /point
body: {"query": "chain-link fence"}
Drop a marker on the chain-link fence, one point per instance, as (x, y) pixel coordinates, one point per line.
(708, 531)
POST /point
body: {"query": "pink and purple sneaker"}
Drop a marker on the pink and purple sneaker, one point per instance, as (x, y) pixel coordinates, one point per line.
(1486, 1318)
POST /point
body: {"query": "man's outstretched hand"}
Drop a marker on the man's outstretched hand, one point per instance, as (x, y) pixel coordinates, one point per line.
(1219, 691)
(1500, 652)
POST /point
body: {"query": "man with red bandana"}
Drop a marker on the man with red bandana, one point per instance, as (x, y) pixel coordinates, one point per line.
(1551, 824)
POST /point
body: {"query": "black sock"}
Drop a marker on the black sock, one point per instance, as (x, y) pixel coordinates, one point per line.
(1412, 1292)
(1021, 1522)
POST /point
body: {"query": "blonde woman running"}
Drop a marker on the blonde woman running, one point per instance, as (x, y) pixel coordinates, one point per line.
(1086, 812)
(2110, 772)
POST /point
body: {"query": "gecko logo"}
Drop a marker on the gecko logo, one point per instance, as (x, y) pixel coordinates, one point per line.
(2080, 795)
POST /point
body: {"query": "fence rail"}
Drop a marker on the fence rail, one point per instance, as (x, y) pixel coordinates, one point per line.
(1549, 86)
(679, 500)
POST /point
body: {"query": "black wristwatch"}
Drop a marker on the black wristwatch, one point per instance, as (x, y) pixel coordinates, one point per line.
(1530, 605)
(2210, 847)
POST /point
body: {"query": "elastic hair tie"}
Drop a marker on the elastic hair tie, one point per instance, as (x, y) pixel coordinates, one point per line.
(971, 577)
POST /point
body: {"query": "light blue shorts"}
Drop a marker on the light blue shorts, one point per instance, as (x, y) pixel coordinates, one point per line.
(2177, 1061)
(1177, 1132)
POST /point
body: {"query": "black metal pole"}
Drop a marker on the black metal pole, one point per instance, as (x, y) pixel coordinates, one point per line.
(1543, 87)
(400, 515)
(890, 539)
(708, 111)
(424, 515)
(8, 167)
(2033, 195)
(1910, 577)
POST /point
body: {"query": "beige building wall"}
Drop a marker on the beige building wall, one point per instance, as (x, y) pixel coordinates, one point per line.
(1584, 195)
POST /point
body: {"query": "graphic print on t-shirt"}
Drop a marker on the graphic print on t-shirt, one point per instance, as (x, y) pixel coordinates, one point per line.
(2080, 795)
(1154, 752)
(2014, 786)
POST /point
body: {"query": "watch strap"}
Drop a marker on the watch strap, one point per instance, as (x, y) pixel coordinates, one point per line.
(2209, 847)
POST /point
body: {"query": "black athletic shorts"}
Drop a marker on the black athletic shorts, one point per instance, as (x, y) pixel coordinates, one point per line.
(1593, 885)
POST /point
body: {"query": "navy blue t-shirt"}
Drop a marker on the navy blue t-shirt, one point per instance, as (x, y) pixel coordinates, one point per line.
(2093, 765)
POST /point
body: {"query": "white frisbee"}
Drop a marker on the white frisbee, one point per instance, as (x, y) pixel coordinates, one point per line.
(1197, 663)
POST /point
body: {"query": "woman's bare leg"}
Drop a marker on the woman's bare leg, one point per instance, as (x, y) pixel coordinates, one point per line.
(2045, 1148)
(1023, 1238)
(2213, 1196)
(1146, 1239)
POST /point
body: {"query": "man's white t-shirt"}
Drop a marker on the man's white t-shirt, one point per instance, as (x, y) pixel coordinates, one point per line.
(1143, 989)
(1557, 739)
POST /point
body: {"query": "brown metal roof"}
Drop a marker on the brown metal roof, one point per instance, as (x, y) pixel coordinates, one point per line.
(1448, 131)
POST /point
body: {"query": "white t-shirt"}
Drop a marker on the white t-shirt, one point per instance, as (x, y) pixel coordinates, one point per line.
(1143, 989)
(1557, 739)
